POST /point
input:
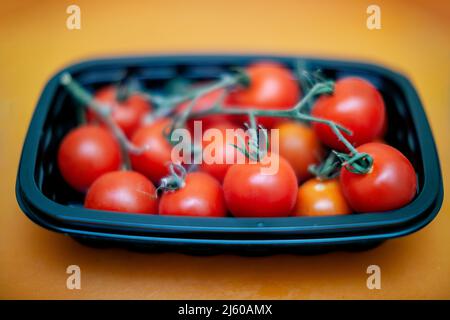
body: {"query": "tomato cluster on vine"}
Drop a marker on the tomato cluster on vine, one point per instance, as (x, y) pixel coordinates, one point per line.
(331, 158)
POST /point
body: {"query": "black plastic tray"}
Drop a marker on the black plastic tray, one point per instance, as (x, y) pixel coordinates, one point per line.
(49, 201)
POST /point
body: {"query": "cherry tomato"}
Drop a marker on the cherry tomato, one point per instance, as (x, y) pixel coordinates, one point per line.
(225, 152)
(250, 192)
(272, 86)
(204, 103)
(201, 196)
(123, 191)
(355, 104)
(153, 163)
(127, 114)
(299, 145)
(321, 198)
(390, 184)
(85, 154)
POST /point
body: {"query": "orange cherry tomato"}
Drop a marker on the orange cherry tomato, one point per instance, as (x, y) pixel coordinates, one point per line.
(321, 198)
(300, 146)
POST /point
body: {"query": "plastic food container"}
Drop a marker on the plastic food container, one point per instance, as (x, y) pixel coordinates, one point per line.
(50, 202)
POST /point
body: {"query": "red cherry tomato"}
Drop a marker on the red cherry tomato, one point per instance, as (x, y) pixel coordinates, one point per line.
(123, 191)
(128, 114)
(355, 104)
(153, 163)
(300, 146)
(204, 103)
(201, 196)
(321, 198)
(85, 154)
(390, 184)
(225, 152)
(251, 193)
(272, 86)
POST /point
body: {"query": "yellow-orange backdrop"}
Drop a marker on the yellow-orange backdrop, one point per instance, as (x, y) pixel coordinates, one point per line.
(34, 43)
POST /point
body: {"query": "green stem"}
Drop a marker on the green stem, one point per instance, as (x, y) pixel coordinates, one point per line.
(123, 91)
(328, 169)
(224, 82)
(361, 162)
(166, 105)
(335, 128)
(104, 114)
(294, 112)
(252, 119)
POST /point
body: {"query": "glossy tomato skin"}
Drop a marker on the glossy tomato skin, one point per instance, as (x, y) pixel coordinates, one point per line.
(86, 153)
(317, 198)
(122, 191)
(272, 86)
(154, 164)
(355, 104)
(391, 184)
(225, 151)
(300, 146)
(201, 196)
(249, 193)
(128, 114)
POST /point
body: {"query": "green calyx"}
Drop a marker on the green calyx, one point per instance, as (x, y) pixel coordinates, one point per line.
(175, 180)
(241, 77)
(359, 162)
(328, 169)
(258, 143)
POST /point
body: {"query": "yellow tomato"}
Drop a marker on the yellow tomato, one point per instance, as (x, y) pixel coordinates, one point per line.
(321, 198)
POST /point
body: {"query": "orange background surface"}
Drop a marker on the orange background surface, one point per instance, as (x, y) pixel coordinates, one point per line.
(34, 43)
